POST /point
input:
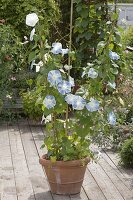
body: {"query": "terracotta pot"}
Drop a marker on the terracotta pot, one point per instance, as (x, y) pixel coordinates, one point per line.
(65, 177)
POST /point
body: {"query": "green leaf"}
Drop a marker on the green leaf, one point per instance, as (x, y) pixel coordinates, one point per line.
(114, 71)
(32, 56)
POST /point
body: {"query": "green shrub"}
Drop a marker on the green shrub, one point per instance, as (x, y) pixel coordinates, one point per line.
(126, 153)
(29, 100)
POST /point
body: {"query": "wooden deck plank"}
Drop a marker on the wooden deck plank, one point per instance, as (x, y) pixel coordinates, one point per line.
(7, 182)
(38, 180)
(123, 189)
(127, 173)
(23, 184)
(91, 187)
(104, 182)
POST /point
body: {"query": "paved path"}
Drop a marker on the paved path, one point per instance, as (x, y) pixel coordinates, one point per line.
(22, 177)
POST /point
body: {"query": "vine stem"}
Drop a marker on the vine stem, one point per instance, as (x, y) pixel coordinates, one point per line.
(69, 58)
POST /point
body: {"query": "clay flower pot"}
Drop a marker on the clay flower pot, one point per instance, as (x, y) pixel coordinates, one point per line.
(65, 177)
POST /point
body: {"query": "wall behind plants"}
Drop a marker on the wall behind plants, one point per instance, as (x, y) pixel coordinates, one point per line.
(14, 12)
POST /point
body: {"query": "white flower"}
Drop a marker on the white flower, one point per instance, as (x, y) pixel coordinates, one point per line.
(71, 81)
(32, 34)
(31, 19)
(8, 96)
(46, 119)
(68, 67)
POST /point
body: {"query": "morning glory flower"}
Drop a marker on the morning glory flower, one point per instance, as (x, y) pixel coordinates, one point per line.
(112, 118)
(92, 73)
(32, 34)
(70, 98)
(112, 85)
(54, 77)
(64, 87)
(49, 101)
(65, 51)
(78, 103)
(114, 55)
(93, 105)
(57, 48)
(31, 19)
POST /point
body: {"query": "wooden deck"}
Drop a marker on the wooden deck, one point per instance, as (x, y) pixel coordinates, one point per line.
(22, 177)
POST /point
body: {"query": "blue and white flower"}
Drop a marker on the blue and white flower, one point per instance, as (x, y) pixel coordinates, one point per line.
(31, 19)
(49, 101)
(70, 98)
(65, 51)
(78, 103)
(32, 34)
(112, 85)
(64, 87)
(112, 118)
(57, 49)
(93, 105)
(54, 77)
(92, 73)
(114, 55)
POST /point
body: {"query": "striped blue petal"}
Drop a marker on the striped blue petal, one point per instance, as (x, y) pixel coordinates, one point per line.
(49, 101)
(93, 105)
(64, 87)
(54, 77)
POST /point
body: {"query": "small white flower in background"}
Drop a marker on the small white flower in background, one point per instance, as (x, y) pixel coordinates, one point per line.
(38, 65)
(67, 67)
(32, 64)
(112, 118)
(97, 153)
(92, 73)
(32, 34)
(112, 85)
(83, 74)
(8, 96)
(46, 119)
(31, 19)
(25, 38)
(46, 57)
(13, 78)
(71, 81)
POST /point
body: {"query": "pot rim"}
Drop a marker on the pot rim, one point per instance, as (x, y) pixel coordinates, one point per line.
(80, 162)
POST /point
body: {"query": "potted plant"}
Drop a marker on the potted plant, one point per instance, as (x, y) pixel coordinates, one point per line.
(71, 113)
